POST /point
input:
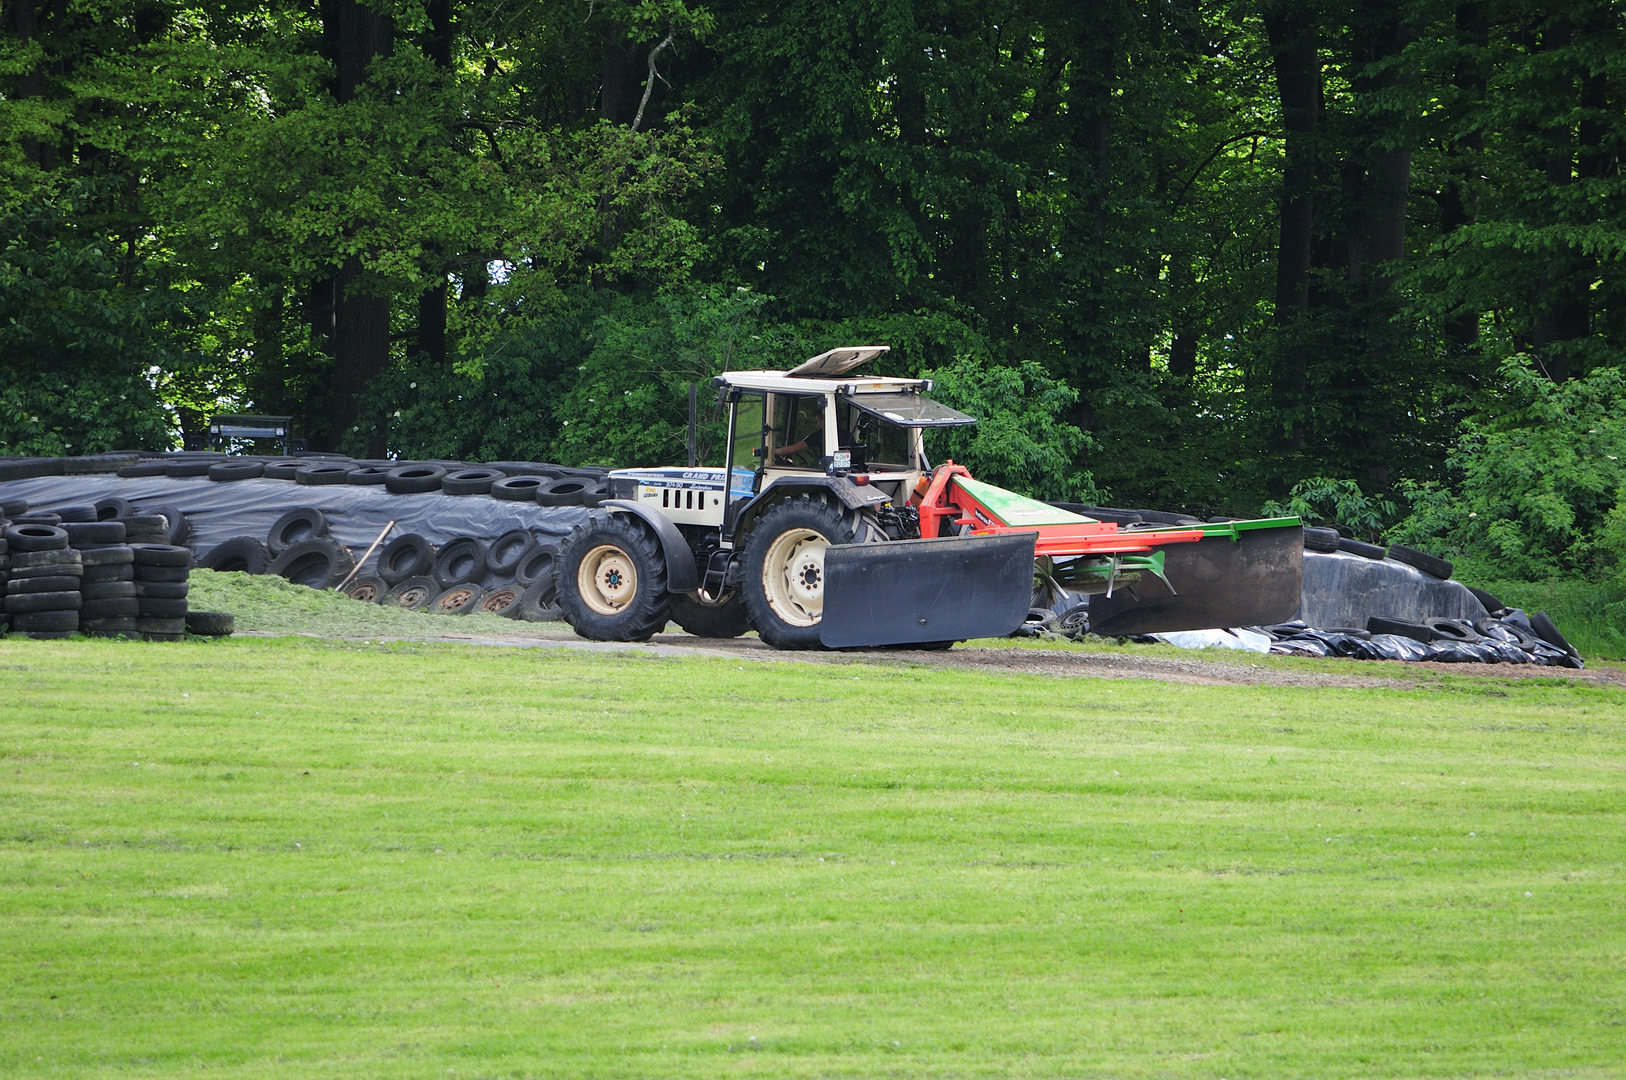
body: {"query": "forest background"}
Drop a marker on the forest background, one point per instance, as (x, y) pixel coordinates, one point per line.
(1359, 260)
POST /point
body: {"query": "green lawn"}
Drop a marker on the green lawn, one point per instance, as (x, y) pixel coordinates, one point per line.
(291, 858)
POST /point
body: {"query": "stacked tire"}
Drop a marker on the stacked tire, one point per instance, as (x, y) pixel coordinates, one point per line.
(107, 585)
(160, 573)
(43, 579)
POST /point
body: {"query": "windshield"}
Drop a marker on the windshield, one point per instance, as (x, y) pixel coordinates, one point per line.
(873, 441)
(909, 409)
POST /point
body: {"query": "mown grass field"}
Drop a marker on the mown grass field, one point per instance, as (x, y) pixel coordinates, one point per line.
(295, 858)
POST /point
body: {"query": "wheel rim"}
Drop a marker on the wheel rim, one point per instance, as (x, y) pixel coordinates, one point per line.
(793, 576)
(607, 580)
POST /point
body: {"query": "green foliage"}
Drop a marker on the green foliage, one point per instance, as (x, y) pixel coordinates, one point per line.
(1541, 473)
(1022, 440)
(79, 354)
(1321, 500)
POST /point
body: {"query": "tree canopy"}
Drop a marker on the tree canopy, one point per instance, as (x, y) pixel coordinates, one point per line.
(1184, 253)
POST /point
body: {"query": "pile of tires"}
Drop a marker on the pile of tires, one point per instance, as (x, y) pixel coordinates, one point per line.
(77, 570)
(511, 576)
(513, 481)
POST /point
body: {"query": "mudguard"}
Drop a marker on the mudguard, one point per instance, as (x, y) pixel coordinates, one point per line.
(682, 575)
(916, 591)
(1254, 580)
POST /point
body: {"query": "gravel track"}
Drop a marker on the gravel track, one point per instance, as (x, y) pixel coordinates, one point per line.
(1200, 670)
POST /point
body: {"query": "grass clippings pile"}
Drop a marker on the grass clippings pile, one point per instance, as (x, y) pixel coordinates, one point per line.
(295, 858)
(270, 604)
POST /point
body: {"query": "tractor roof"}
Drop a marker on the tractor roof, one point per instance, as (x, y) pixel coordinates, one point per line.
(822, 375)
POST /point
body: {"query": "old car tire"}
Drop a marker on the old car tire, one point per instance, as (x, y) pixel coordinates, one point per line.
(211, 623)
(227, 471)
(412, 594)
(538, 565)
(113, 508)
(36, 538)
(1320, 539)
(565, 492)
(470, 481)
(369, 590)
(160, 555)
(93, 533)
(323, 475)
(57, 623)
(460, 561)
(502, 601)
(728, 619)
(407, 556)
(305, 523)
(457, 600)
(1361, 548)
(784, 569)
(176, 527)
(1422, 560)
(369, 475)
(508, 551)
(242, 554)
(414, 479)
(611, 580)
(319, 564)
(538, 603)
(519, 488)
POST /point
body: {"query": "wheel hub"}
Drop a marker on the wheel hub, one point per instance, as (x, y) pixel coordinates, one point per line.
(607, 579)
(794, 576)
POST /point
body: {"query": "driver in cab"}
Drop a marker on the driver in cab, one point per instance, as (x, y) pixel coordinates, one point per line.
(813, 441)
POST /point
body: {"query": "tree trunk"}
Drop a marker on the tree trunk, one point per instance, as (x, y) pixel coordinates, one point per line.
(432, 323)
(355, 35)
(1298, 82)
(1455, 200)
(361, 350)
(1563, 312)
(620, 87)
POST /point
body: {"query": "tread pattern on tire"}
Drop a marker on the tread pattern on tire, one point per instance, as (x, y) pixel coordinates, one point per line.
(646, 614)
(803, 510)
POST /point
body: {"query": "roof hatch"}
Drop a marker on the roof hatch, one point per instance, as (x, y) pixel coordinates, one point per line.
(827, 365)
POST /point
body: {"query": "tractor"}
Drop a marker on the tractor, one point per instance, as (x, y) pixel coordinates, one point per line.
(826, 526)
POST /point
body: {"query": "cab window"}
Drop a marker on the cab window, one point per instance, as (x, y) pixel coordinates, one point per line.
(873, 442)
(798, 419)
(748, 432)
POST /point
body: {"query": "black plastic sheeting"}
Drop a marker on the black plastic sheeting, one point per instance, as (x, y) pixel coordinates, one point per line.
(356, 514)
(1504, 638)
(1341, 589)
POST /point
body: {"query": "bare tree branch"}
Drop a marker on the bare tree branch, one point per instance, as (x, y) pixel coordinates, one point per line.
(649, 84)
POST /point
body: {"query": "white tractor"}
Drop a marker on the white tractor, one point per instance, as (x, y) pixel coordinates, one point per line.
(811, 530)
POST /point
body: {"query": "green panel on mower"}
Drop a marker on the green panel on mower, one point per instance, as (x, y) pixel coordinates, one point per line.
(1017, 510)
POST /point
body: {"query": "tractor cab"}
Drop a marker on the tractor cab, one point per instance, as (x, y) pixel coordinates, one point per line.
(818, 419)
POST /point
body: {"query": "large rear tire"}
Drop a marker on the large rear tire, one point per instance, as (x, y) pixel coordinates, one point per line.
(784, 569)
(728, 619)
(612, 580)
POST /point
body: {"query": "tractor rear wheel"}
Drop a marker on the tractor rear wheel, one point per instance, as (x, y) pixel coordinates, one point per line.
(612, 580)
(784, 569)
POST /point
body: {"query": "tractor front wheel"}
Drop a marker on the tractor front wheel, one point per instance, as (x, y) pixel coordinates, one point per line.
(784, 569)
(612, 580)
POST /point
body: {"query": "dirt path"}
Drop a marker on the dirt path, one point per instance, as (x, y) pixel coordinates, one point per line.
(1201, 669)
